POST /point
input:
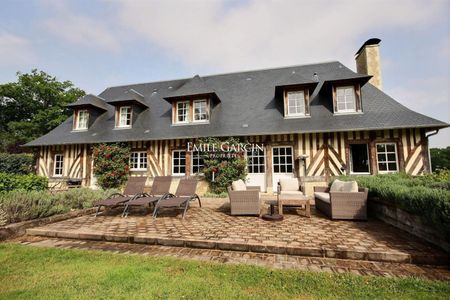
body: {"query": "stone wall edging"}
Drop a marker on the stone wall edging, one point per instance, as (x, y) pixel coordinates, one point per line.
(17, 229)
(392, 215)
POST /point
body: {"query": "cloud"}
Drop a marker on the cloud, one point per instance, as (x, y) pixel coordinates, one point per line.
(79, 29)
(15, 50)
(267, 33)
(430, 97)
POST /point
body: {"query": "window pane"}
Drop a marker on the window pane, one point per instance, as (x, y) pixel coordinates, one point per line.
(390, 147)
(391, 157)
(382, 167)
(392, 166)
(381, 157)
(381, 147)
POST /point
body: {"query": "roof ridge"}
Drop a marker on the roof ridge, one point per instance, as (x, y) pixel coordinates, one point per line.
(226, 73)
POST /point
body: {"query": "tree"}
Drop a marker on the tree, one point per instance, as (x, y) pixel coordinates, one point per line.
(33, 106)
(440, 158)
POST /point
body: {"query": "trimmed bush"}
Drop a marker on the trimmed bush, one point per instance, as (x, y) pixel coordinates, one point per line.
(30, 182)
(111, 164)
(425, 196)
(17, 206)
(16, 163)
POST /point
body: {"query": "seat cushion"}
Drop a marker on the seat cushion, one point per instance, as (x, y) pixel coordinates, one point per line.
(325, 197)
(289, 184)
(291, 193)
(350, 187)
(239, 185)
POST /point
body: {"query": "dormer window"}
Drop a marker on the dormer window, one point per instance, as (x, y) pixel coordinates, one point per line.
(191, 111)
(124, 116)
(182, 112)
(82, 119)
(347, 99)
(296, 103)
(200, 110)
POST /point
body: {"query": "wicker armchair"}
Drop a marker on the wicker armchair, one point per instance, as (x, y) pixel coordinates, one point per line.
(245, 202)
(342, 205)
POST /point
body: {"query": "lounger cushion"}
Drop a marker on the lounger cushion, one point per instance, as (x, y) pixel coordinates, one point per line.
(289, 184)
(239, 185)
(325, 197)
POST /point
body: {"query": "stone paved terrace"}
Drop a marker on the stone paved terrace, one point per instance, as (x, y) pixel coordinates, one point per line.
(280, 261)
(211, 227)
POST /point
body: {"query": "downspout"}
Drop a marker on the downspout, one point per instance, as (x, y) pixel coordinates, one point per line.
(429, 154)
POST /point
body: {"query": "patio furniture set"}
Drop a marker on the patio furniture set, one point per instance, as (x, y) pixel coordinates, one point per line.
(343, 200)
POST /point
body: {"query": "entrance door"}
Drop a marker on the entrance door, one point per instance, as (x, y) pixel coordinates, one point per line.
(359, 158)
(282, 164)
(256, 164)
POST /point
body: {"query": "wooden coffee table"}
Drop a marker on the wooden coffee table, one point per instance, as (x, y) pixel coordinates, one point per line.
(295, 200)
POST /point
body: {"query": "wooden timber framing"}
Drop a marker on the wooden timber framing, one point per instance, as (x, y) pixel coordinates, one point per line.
(327, 154)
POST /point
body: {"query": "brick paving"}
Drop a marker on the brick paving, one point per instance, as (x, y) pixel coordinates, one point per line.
(367, 268)
(212, 227)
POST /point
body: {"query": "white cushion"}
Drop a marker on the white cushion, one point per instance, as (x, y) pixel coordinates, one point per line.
(337, 186)
(325, 197)
(289, 184)
(239, 185)
(350, 187)
(291, 193)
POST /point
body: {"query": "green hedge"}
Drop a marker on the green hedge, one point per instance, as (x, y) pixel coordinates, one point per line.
(16, 163)
(17, 206)
(30, 182)
(425, 196)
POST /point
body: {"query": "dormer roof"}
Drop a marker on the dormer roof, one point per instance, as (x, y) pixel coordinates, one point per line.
(130, 96)
(193, 87)
(90, 101)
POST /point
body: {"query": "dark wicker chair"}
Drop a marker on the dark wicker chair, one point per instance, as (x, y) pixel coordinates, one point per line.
(184, 195)
(342, 205)
(135, 185)
(160, 188)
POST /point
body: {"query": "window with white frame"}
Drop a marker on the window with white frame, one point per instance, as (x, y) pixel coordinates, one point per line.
(138, 161)
(282, 159)
(387, 157)
(179, 162)
(58, 165)
(200, 110)
(82, 119)
(197, 162)
(345, 99)
(182, 112)
(296, 103)
(256, 161)
(125, 116)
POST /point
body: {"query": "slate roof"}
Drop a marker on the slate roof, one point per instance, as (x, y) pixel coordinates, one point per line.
(248, 106)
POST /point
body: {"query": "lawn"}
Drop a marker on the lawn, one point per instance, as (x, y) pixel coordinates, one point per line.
(29, 272)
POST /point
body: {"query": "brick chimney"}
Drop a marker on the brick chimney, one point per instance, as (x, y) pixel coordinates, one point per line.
(368, 61)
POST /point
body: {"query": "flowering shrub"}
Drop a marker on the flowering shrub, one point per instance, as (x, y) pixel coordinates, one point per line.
(226, 166)
(111, 164)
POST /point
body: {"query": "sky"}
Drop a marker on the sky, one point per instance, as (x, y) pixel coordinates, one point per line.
(101, 43)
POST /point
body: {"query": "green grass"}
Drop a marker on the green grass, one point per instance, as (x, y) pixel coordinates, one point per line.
(28, 272)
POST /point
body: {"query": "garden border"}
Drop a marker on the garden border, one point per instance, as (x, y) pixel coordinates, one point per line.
(17, 229)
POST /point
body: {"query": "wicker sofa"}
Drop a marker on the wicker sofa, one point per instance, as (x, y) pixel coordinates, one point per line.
(245, 202)
(342, 204)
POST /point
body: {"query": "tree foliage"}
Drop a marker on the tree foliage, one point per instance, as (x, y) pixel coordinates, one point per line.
(111, 164)
(32, 106)
(440, 158)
